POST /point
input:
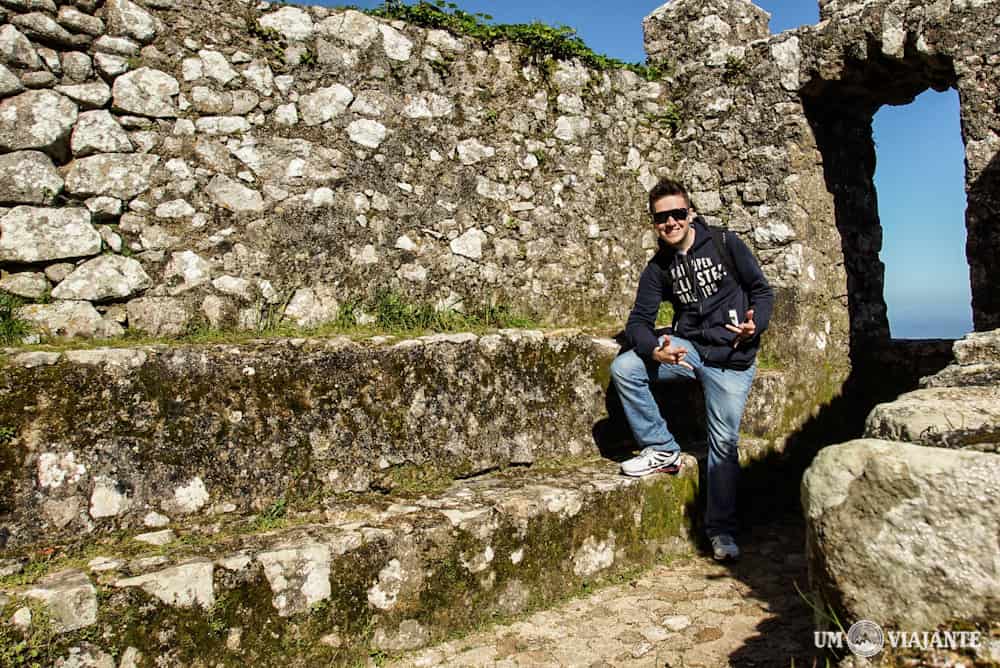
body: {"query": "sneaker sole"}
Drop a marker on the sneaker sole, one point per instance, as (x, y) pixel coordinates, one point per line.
(671, 469)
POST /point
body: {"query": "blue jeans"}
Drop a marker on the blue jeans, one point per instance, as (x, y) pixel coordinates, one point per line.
(725, 396)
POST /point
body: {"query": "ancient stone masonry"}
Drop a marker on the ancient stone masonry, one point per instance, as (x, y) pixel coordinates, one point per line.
(356, 577)
(104, 437)
(902, 524)
(218, 163)
(172, 163)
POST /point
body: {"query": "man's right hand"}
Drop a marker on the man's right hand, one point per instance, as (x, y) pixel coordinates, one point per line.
(669, 354)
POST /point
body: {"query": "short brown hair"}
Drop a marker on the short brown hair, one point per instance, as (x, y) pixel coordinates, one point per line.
(666, 188)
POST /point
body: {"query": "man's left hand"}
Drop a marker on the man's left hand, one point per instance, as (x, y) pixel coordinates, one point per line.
(745, 330)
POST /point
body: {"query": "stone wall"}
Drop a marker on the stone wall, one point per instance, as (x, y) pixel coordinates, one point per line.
(777, 140)
(189, 163)
(97, 439)
(209, 162)
(782, 127)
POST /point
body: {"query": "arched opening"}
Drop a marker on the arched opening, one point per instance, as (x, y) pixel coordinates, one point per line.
(841, 113)
(921, 206)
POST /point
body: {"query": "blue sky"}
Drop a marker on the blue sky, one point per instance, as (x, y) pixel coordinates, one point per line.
(919, 150)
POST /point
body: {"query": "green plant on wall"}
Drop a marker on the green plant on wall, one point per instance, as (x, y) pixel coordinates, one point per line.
(31, 648)
(541, 41)
(669, 119)
(736, 71)
(271, 39)
(13, 329)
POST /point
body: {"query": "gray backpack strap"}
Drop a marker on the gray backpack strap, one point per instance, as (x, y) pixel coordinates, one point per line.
(725, 252)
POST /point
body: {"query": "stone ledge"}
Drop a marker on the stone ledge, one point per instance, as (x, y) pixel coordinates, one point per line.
(383, 576)
(103, 437)
(948, 417)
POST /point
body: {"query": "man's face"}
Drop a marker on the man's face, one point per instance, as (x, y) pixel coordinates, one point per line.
(672, 230)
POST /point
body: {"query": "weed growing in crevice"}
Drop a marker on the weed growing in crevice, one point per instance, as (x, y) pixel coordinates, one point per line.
(271, 39)
(736, 71)
(669, 119)
(32, 647)
(394, 313)
(273, 516)
(13, 329)
(388, 312)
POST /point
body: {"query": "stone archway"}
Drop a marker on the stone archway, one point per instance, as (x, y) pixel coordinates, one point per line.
(840, 113)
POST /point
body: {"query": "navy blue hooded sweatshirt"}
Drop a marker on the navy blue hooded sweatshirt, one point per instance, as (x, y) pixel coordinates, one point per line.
(703, 295)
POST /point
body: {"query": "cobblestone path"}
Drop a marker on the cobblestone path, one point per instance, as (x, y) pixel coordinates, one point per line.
(692, 613)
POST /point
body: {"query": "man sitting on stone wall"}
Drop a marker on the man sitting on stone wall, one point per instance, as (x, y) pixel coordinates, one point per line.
(712, 279)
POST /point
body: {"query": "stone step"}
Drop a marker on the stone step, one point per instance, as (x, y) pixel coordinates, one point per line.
(977, 362)
(963, 375)
(98, 439)
(368, 576)
(978, 347)
(948, 417)
(691, 612)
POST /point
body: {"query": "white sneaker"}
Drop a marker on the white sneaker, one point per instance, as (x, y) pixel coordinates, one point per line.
(652, 461)
(724, 548)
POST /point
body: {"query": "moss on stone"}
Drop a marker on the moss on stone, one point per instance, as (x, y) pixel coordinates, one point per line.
(667, 504)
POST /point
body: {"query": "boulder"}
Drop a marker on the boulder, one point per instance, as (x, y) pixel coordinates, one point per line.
(28, 177)
(216, 66)
(949, 417)
(978, 347)
(69, 320)
(146, 92)
(25, 284)
(70, 599)
(42, 27)
(89, 95)
(185, 585)
(128, 19)
(16, 49)
(291, 22)
(158, 316)
(37, 119)
(352, 27)
(75, 20)
(119, 175)
(117, 46)
(396, 45)
(186, 270)
(104, 277)
(234, 196)
(299, 576)
(366, 132)
(310, 307)
(903, 534)
(34, 234)
(9, 84)
(98, 132)
(324, 104)
(77, 67)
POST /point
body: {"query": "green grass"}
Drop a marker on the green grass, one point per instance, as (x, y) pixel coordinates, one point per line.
(12, 328)
(388, 312)
(31, 648)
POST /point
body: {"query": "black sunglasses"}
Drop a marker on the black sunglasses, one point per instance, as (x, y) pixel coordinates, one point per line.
(661, 217)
